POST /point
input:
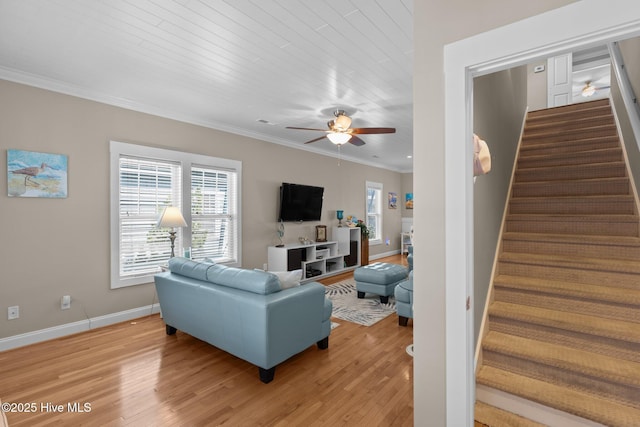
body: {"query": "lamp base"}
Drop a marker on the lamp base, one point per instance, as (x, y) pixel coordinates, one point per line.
(172, 237)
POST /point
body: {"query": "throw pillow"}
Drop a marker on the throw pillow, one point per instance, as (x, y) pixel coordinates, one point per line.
(288, 279)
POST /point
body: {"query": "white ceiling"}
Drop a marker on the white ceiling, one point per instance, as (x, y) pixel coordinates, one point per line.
(231, 65)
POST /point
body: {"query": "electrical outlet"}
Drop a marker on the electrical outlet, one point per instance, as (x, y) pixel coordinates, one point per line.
(13, 312)
(65, 302)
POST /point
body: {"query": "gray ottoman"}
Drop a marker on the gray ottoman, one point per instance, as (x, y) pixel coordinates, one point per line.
(379, 278)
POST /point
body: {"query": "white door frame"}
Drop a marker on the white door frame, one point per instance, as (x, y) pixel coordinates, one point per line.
(592, 22)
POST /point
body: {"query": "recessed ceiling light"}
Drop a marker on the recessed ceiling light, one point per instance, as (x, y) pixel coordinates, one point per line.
(409, 156)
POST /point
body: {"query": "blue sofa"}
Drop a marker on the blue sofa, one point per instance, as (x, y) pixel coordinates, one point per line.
(243, 312)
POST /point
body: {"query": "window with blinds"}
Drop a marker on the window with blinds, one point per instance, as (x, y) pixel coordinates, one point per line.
(213, 214)
(374, 212)
(145, 180)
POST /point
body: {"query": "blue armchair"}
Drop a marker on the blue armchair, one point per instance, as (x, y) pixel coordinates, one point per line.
(404, 300)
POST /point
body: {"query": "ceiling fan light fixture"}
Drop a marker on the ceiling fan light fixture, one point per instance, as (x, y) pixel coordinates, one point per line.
(342, 121)
(339, 138)
(588, 90)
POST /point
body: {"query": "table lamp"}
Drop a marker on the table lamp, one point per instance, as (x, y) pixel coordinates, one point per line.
(171, 218)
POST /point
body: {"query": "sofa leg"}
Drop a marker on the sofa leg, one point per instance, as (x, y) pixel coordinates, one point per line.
(360, 294)
(384, 299)
(402, 321)
(266, 375)
(170, 330)
(323, 344)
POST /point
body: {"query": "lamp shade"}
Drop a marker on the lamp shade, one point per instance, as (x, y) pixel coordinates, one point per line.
(171, 217)
(339, 138)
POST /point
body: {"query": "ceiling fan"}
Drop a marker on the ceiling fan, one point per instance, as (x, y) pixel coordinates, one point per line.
(340, 132)
(590, 88)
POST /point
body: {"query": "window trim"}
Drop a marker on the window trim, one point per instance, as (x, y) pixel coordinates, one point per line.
(186, 160)
(379, 187)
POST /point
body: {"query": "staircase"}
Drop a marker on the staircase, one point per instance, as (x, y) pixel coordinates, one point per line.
(563, 326)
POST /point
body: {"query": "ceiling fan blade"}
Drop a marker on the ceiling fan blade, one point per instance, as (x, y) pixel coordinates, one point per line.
(356, 141)
(291, 127)
(356, 131)
(314, 140)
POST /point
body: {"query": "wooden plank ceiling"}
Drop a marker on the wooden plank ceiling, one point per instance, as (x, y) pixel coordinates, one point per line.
(247, 67)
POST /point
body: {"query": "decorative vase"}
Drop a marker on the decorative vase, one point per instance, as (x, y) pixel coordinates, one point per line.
(339, 215)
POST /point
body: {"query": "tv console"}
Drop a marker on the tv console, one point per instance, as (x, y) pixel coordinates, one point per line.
(319, 259)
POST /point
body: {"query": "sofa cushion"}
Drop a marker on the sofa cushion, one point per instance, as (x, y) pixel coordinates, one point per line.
(189, 268)
(288, 279)
(256, 281)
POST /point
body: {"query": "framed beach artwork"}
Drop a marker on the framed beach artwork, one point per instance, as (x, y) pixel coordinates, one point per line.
(393, 200)
(408, 201)
(33, 174)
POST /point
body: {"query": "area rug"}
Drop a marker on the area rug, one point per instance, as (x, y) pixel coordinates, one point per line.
(347, 306)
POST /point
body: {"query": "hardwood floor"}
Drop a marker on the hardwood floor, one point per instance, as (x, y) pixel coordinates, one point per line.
(133, 374)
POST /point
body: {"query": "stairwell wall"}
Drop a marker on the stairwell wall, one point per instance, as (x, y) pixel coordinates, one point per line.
(628, 49)
(499, 105)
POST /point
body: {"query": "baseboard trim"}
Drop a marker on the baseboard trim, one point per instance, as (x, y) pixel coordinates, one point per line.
(530, 410)
(76, 327)
(384, 254)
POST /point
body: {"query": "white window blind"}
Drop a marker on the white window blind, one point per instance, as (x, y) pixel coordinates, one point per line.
(374, 212)
(146, 188)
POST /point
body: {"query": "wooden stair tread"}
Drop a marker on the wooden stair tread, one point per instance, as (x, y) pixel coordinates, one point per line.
(571, 289)
(571, 172)
(565, 399)
(570, 359)
(581, 117)
(599, 141)
(590, 325)
(601, 155)
(572, 199)
(576, 187)
(568, 261)
(541, 132)
(592, 165)
(575, 217)
(569, 109)
(631, 241)
(540, 120)
(494, 417)
(556, 135)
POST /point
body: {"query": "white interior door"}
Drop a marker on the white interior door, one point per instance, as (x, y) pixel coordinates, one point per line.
(559, 82)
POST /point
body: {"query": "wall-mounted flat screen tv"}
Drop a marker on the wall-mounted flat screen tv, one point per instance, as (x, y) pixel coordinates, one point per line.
(300, 202)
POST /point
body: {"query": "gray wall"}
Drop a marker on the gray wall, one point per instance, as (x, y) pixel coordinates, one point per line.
(537, 87)
(629, 50)
(499, 105)
(55, 247)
